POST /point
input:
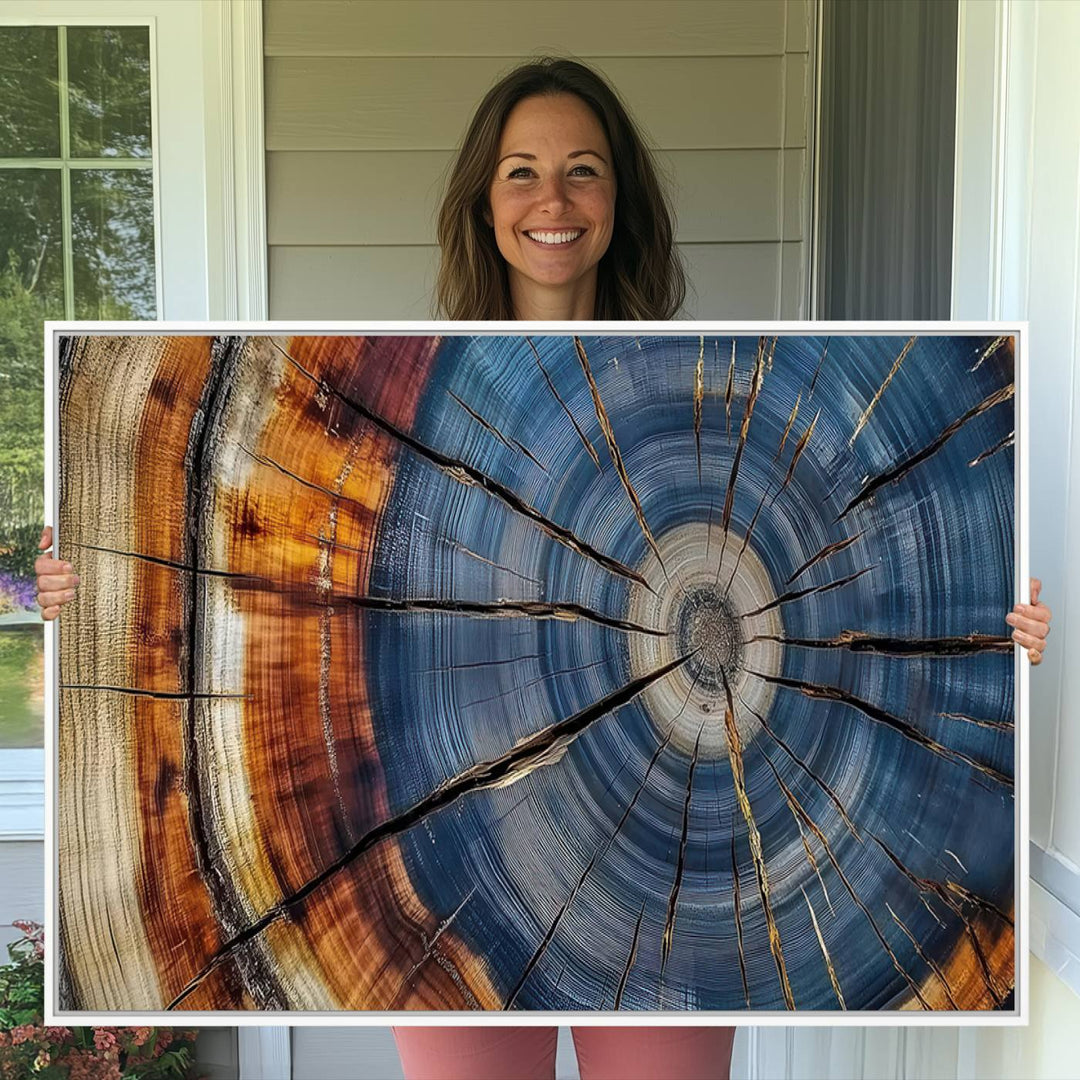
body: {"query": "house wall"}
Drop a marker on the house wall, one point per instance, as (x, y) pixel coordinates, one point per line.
(365, 104)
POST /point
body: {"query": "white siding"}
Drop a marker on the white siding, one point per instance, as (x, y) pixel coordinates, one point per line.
(365, 104)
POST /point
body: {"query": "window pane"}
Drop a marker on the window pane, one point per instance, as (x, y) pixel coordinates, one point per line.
(112, 224)
(22, 683)
(29, 103)
(109, 90)
(31, 254)
(31, 289)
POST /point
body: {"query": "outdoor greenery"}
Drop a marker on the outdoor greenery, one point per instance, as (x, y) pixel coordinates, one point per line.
(29, 1048)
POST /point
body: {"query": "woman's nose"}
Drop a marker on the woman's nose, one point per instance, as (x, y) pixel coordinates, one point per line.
(554, 195)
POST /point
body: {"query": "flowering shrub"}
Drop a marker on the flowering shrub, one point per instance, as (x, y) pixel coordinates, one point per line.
(16, 593)
(30, 1049)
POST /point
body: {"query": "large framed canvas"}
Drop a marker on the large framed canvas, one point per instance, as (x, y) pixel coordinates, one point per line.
(481, 672)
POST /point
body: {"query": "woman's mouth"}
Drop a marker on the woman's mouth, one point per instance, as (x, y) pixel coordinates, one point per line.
(550, 239)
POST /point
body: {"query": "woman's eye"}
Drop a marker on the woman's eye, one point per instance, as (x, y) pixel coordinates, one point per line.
(587, 170)
(519, 172)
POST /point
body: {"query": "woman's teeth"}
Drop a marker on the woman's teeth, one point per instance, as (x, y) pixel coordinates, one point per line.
(554, 237)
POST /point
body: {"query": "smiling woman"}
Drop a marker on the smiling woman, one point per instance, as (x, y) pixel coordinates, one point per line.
(553, 209)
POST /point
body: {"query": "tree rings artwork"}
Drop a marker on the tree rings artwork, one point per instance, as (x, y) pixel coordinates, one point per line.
(540, 672)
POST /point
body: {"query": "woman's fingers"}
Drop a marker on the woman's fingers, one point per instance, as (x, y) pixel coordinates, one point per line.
(1029, 641)
(56, 579)
(1036, 588)
(55, 597)
(1033, 611)
(56, 582)
(1037, 627)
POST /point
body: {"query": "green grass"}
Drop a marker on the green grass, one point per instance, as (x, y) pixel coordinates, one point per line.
(22, 682)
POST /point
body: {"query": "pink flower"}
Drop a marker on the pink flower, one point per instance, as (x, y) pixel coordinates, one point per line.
(21, 1033)
(140, 1035)
(57, 1034)
(104, 1038)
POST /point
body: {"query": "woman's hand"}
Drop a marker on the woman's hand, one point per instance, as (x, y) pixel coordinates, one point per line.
(56, 580)
(1032, 624)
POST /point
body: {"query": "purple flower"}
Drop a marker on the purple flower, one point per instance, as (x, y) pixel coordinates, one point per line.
(17, 592)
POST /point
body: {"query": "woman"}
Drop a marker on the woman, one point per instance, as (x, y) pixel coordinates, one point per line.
(553, 211)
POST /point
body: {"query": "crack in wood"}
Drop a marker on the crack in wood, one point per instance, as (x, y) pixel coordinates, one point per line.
(887, 719)
(798, 594)
(616, 454)
(699, 394)
(738, 916)
(929, 961)
(729, 389)
(942, 892)
(989, 351)
(817, 370)
(824, 553)
(506, 440)
(821, 942)
(172, 564)
(163, 695)
(751, 400)
(787, 428)
(527, 755)
(532, 609)
(734, 744)
(833, 797)
(673, 899)
(589, 448)
(1001, 444)
(996, 725)
(859, 641)
(881, 390)
(464, 473)
(847, 884)
(597, 856)
(899, 471)
(630, 959)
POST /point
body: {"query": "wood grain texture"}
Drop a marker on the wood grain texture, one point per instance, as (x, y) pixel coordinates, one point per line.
(382, 692)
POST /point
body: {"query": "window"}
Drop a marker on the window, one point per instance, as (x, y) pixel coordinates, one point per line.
(77, 240)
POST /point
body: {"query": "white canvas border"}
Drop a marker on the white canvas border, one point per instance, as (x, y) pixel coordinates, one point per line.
(185, 1018)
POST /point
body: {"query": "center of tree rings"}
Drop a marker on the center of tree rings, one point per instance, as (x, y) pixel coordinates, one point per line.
(708, 626)
(704, 597)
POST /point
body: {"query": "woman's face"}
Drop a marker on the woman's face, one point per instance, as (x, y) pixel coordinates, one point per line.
(552, 199)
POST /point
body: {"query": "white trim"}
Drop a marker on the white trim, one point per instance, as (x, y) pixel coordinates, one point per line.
(982, 65)
(265, 1053)
(1055, 935)
(235, 160)
(22, 795)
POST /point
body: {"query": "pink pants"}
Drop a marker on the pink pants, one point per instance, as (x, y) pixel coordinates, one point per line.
(528, 1053)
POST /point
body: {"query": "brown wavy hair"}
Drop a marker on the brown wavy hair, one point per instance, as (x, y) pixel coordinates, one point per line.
(638, 277)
